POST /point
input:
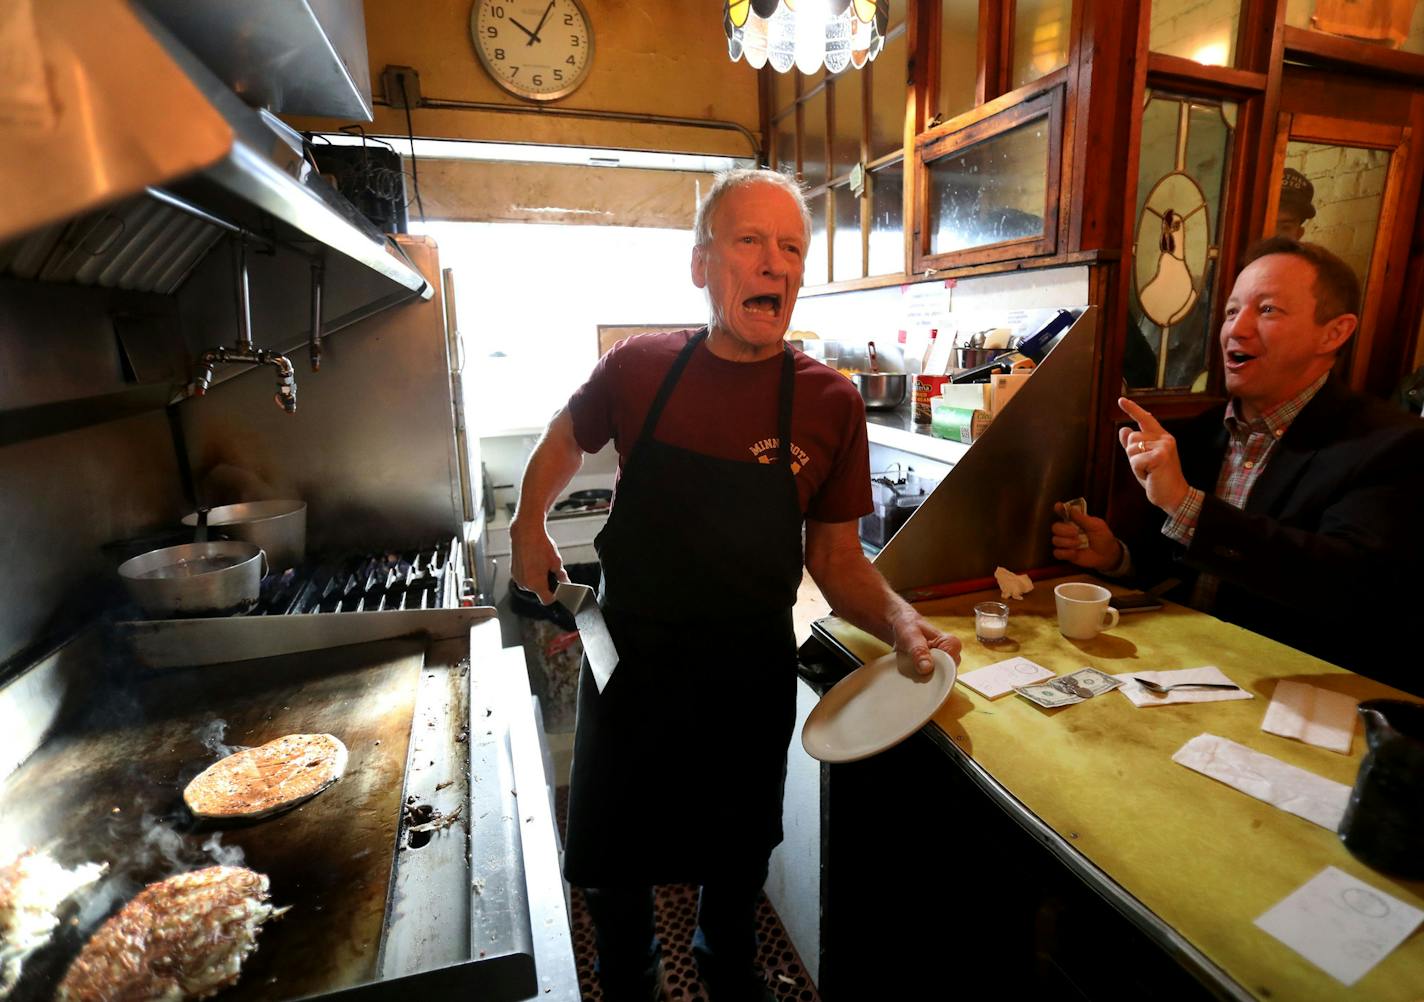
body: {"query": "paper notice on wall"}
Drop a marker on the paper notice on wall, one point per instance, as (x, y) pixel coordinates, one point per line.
(924, 306)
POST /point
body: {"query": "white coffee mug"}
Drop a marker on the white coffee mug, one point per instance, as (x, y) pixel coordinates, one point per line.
(1083, 610)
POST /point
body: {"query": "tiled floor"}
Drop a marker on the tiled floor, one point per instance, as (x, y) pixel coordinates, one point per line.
(676, 906)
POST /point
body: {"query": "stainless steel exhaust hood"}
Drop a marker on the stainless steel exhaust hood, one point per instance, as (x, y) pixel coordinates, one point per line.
(131, 159)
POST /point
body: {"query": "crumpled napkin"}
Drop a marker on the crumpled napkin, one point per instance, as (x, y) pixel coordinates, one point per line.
(1012, 585)
(1292, 789)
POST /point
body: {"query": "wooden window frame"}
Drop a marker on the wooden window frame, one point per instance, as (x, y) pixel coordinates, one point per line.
(1396, 140)
(990, 121)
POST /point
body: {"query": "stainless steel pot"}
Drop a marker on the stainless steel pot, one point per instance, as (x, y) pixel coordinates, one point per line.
(965, 358)
(278, 527)
(881, 391)
(196, 579)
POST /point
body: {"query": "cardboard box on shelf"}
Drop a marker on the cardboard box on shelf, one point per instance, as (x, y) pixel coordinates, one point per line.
(974, 396)
(1002, 387)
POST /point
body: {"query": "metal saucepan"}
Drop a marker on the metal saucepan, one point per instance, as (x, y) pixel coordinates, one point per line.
(279, 527)
(196, 579)
(968, 358)
(881, 391)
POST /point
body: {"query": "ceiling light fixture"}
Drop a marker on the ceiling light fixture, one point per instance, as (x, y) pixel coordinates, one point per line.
(805, 33)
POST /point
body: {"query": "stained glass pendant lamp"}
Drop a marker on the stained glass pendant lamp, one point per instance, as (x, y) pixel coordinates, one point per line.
(805, 33)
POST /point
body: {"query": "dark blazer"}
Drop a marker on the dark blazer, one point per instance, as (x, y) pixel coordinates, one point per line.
(1328, 553)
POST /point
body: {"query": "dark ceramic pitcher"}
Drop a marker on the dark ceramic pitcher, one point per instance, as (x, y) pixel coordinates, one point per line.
(1384, 822)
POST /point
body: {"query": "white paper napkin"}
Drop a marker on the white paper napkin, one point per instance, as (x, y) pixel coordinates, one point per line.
(1341, 924)
(1012, 585)
(1210, 673)
(1311, 714)
(999, 679)
(1302, 793)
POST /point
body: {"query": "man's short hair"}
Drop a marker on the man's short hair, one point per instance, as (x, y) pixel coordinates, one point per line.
(740, 177)
(1337, 290)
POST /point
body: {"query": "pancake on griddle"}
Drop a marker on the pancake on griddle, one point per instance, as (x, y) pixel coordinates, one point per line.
(258, 782)
(181, 938)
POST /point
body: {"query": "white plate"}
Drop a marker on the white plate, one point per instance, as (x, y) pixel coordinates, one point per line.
(875, 707)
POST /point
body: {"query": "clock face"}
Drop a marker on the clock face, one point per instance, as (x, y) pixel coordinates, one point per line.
(539, 50)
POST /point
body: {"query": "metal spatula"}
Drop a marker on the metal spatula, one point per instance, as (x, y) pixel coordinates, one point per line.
(593, 631)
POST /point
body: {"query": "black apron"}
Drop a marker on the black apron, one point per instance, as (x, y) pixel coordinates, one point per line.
(680, 763)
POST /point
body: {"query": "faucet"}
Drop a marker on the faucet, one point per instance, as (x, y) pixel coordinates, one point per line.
(244, 353)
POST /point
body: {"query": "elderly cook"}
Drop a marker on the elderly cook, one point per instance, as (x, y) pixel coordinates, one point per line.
(729, 442)
(1304, 524)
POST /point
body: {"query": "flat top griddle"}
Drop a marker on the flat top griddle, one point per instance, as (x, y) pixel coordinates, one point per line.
(108, 788)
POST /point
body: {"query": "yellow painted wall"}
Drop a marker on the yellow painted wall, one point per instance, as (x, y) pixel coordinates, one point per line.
(660, 57)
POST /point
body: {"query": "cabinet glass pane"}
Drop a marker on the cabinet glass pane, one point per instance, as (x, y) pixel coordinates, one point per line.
(1040, 38)
(958, 57)
(1204, 32)
(783, 138)
(813, 140)
(887, 94)
(887, 232)
(817, 258)
(990, 192)
(846, 261)
(1338, 203)
(1393, 24)
(1181, 188)
(849, 101)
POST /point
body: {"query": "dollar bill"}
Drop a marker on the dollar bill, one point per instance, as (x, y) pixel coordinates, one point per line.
(1065, 690)
(1047, 694)
(1079, 505)
(1094, 682)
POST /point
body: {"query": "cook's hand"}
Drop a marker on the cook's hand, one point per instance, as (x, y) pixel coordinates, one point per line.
(1152, 453)
(534, 559)
(1103, 551)
(915, 635)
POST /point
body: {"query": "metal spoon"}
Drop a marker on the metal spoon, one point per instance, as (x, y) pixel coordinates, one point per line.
(1159, 687)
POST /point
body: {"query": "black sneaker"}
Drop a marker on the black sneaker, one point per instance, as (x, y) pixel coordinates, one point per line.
(647, 987)
(753, 988)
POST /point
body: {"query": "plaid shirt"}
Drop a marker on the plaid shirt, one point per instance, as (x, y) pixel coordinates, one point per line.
(1249, 448)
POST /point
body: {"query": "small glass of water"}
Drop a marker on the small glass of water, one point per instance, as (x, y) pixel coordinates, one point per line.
(991, 622)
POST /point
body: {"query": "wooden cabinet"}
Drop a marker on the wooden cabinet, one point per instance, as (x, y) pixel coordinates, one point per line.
(1048, 132)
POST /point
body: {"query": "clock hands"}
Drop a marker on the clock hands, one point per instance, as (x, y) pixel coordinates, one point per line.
(540, 26)
(533, 35)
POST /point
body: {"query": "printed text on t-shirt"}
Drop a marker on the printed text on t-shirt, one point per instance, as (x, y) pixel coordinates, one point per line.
(762, 450)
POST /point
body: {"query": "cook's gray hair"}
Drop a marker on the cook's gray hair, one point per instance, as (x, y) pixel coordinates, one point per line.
(740, 177)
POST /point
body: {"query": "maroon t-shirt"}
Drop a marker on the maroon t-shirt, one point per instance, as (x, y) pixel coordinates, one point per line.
(729, 409)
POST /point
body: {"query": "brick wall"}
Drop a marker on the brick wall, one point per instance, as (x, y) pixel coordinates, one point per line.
(1349, 187)
(1204, 30)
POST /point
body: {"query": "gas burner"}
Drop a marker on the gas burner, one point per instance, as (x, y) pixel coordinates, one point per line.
(427, 578)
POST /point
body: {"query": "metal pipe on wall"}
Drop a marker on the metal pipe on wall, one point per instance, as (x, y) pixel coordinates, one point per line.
(448, 104)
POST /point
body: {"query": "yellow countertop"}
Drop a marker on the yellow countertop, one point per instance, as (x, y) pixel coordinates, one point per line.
(1203, 857)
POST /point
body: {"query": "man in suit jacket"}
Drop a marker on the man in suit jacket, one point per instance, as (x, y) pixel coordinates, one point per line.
(1296, 513)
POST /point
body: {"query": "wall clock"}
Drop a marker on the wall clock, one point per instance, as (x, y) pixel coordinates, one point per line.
(539, 50)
